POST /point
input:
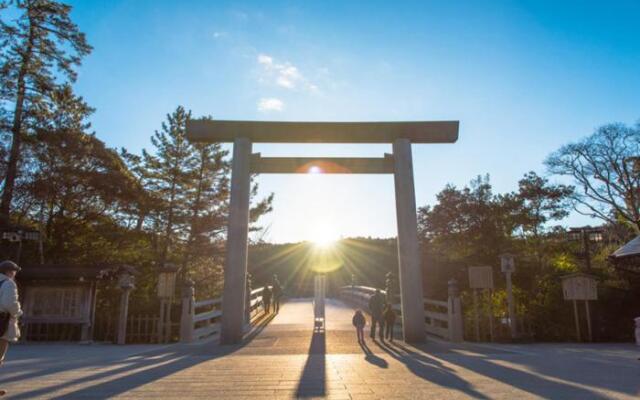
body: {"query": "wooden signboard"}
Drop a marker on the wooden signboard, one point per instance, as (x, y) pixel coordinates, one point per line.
(481, 277)
(166, 284)
(579, 287)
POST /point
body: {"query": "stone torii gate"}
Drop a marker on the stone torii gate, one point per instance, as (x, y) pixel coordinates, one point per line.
(400, 164)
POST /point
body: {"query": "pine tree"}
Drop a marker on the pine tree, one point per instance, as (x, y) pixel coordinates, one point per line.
(40, 50)
(168, 176)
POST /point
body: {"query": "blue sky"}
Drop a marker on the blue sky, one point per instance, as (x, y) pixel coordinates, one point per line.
(523, 78)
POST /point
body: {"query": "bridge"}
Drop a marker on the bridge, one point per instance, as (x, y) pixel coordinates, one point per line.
(282, 357)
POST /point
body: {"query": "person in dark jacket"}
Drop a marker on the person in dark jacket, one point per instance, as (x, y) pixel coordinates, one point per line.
(276, 291)
(376, 307)
(266, 299)
(389, 317)
(359, 322)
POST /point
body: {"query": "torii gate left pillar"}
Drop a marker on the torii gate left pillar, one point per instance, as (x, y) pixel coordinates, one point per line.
(400, 134)
(235, 269)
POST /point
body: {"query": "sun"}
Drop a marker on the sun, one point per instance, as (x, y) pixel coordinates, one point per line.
(323, 237)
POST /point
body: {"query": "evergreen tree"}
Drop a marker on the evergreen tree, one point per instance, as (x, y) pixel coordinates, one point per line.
(169, 174)
(40, 50)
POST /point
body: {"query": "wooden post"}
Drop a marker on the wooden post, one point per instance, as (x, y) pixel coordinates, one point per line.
(412, 302)
(511, 306)
(476, 314)
(235, 271)
(454, 309)
(124, 310)
(575, 314)
(126, 284)
(589, 334)
(491, 335)
(167, 321)
(188, 312)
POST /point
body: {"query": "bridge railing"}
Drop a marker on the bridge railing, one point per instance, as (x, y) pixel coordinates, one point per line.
(202, 319)
(442, 318)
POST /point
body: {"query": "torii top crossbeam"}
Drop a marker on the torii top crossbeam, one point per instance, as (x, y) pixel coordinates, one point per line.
(206, 130)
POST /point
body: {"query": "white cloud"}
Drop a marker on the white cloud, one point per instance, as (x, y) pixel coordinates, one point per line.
(265, 60)
(219, 35)
(283, 74)
(268, 104)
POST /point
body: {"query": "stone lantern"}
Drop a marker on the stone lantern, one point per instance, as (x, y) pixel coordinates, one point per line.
(126, 283)
(166, 290)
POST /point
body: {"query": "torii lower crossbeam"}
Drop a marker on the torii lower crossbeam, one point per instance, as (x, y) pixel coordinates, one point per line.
(323, 165)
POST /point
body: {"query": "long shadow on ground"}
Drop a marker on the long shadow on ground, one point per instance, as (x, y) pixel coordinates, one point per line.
(136, 370)
(419, 364)
(429, 368)
(313, 380)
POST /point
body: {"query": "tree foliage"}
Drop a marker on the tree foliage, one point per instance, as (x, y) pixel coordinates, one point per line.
(41, 48)
(602, 168)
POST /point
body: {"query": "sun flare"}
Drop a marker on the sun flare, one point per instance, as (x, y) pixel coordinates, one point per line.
(323, 237)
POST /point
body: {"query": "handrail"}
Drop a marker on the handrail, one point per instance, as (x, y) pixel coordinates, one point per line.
(438, 303)
(446, 324)
(209, 302)
(202, 319)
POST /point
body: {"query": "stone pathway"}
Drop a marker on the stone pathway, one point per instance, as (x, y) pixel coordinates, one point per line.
(286, 359)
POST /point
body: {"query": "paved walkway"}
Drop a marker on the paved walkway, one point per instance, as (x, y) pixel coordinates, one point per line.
(286, 359)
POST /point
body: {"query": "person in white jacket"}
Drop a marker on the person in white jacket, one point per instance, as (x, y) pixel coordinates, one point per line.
(9, 304)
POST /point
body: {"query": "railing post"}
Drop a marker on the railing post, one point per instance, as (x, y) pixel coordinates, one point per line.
(188, 312)
(454, 310)
(126, 284)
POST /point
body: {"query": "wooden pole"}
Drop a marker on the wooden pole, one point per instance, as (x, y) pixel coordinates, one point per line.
(575, 314)
(589, 334)
(489, 291)
(161, 321)
(167, 323)
(511, 306)
(476, 314)
(122, 321)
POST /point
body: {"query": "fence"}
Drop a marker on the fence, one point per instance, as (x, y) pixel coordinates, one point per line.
(442, 318)
(140, 329)
(202, 319)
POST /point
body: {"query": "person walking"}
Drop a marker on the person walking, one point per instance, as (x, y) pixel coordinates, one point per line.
(266, 299)
(359, 322)
(276, 290)
(10, 309)
(389, 316)
(376, 305)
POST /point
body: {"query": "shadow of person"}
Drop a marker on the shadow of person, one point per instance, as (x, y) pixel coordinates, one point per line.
(372, 358)
(429, 369)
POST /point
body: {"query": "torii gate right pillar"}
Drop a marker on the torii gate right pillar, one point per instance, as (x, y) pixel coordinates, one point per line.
(412, 302)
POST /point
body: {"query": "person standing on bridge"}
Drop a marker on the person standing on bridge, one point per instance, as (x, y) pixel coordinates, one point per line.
(359, 322)
(266, 299)
(276, 290)
(10, 309)
(376, 306)
(389, 321)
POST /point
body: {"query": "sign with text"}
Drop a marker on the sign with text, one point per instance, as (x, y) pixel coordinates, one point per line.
(507, 263)
(579, 287)
(481, 277)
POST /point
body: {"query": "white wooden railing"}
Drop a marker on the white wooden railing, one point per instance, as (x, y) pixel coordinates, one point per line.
(436, 317)
(202, 319)
(442, 318)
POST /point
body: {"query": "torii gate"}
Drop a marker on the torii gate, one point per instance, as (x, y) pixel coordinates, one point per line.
(400, 164)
